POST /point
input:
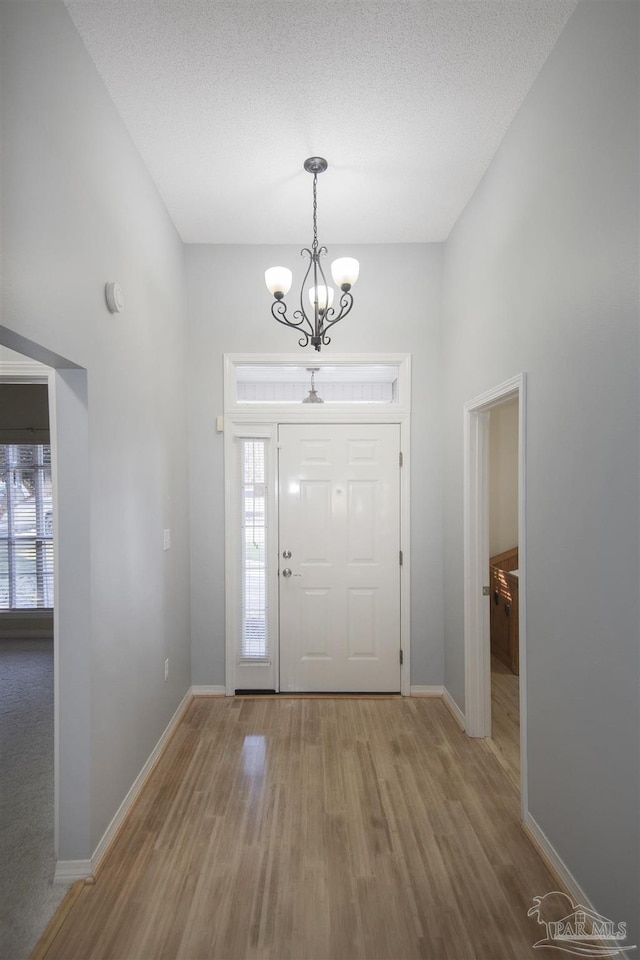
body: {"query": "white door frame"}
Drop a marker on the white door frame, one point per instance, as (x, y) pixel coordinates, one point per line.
(241, 419)
(476, 561)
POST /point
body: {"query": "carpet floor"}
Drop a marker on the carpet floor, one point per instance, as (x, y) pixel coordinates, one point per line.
(28, 896)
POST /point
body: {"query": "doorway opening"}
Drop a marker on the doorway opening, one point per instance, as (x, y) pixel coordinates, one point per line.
(504, 586)
(69, 428)
(27, 650)
(494, 578)
(287, 630)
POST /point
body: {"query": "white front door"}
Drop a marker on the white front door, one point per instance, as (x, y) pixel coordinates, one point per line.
(339, 543)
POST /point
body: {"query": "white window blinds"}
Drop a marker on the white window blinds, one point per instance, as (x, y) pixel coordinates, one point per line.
(26, 526)
(253, 532)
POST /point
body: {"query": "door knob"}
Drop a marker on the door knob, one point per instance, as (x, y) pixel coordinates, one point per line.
(286, 572)
(286, 554)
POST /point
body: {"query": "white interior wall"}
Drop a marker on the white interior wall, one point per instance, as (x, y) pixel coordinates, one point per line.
(78, 210)
(503, 477)
(403, 317)
(541, 275)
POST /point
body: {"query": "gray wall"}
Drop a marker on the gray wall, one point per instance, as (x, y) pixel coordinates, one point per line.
(541, 275)
(397, 309)
(79, 209)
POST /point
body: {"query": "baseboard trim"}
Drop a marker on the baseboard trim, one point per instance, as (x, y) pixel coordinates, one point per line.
(112, 830)
(68, 871)
(418, 691)
(554, 861)
(454, 709)
(441, 693)
(563, 875)
(208, 691)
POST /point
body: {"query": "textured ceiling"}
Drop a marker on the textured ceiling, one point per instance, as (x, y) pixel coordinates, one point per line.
(407, 99)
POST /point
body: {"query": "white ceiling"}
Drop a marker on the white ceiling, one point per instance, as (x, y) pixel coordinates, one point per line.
(407, 99)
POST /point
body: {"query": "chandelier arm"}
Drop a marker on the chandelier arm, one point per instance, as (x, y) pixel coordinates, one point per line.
(346, 303)
(320, 314)
(322, 252)
(306, 252)
(298, 324)
(279, 313)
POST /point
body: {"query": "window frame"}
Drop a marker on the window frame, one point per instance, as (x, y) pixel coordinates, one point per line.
(346, 412)
(31, 371)
(248, 599)
(39, 540)
(253, 673)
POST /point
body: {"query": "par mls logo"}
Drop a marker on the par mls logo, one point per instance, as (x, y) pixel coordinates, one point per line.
(576, 929)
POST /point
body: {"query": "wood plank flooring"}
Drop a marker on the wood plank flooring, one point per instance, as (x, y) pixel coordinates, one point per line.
(505, 718)
(291, 829)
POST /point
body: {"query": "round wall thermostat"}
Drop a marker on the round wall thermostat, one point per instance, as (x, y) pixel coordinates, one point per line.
(115, 297)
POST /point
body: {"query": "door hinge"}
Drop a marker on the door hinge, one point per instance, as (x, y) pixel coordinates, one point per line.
(400, 558)
(401, 658)
(400, 458)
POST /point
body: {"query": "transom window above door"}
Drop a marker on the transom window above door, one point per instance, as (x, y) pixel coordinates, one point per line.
(272, 384)
(341, 382)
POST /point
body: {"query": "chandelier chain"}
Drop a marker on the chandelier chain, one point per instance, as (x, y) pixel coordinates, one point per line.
(315, 212)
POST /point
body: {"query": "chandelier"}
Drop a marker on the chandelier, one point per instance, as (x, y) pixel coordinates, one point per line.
(314, 322)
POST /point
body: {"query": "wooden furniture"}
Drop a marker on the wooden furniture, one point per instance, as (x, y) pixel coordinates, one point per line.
(504, 608)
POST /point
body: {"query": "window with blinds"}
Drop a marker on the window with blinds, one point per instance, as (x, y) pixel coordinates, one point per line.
(253, 529)
(26, 526)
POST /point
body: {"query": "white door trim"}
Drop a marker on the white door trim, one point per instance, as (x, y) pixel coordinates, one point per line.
(476, 562)
(240, 421)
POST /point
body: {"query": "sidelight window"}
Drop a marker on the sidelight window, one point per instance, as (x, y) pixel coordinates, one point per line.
(253, 532)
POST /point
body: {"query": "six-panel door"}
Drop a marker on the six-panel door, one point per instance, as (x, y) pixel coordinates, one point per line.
(339, 519)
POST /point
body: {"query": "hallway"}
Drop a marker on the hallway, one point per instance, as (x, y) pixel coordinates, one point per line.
(316, 828)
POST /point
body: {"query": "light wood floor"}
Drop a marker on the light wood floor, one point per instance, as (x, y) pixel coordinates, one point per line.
(292, 829)
(505, 718)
